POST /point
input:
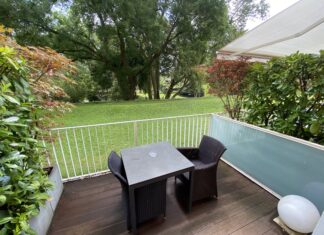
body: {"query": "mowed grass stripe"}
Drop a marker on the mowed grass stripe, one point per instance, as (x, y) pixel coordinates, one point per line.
(94, 113)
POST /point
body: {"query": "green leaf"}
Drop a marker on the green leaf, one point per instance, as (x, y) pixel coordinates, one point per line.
(22, 185)
(12, 157)
(5, 220)
(12, 63)
(24, 225)
(39, 196)
(31, 140)
(11, 119)
(4, 231)
(13, 144)
(16, 124)
(13, 166)
(11, 99)
(4, 217)
(28, 172)
(5, 133)
(315, 128)
(3, 200)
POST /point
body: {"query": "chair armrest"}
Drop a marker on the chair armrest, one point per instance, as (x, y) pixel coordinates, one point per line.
(204, 167)
(190, 153)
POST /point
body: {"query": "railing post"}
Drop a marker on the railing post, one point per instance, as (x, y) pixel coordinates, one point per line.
(135, 133)
(210, 126)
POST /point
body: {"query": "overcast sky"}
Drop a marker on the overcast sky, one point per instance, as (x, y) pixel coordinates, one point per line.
(276, 6)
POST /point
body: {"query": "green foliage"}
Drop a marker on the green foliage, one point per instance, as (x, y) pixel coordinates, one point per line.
(240, 11)
(23, 184)
(83, 87)
(287, 95)
(124, 37)
(133, 40)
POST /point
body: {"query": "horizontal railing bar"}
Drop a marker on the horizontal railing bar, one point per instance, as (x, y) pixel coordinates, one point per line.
(94, 174)
(125, 122)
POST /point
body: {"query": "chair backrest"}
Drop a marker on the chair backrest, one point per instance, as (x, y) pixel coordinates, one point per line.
(116, 166)
(210, 150)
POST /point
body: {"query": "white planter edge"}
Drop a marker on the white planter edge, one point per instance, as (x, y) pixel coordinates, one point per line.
(41, 223)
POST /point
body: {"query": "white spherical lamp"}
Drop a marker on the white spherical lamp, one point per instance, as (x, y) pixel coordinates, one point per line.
(298, 213)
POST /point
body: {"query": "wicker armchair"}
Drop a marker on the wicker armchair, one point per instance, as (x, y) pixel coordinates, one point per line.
(205, 158)
(150, 200)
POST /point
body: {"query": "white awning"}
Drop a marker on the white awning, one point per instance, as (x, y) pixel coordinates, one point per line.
(298, 28)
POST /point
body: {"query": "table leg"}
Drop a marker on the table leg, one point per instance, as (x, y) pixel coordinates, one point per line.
(191, 180)
(132, 210)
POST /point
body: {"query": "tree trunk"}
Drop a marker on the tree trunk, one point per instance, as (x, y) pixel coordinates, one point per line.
(149, 87)
(155, 78)
(185, 83)
(132, 87)
(127, 86)
(170, 89)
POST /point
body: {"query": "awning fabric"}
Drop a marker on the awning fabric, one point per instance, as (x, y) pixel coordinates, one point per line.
(298, 28)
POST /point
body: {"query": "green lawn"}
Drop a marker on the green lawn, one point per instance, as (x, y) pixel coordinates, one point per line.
(94, 113)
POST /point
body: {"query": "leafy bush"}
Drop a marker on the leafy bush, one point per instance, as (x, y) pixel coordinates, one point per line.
(227, 81)
(287, 95)
(84, 87)
(23, 183)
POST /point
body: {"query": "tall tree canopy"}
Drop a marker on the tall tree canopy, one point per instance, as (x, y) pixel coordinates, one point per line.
(135, 41)
(240, 11)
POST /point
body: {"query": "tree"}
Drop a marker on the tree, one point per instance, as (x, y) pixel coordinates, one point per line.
(180, 62)
(227, 81)
(287, 94)
(240, 11)
(126, 37)
(185, 56)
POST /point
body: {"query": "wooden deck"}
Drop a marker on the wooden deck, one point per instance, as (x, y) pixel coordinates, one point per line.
(93, 206)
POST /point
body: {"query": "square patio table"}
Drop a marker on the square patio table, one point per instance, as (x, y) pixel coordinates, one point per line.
(151, 163)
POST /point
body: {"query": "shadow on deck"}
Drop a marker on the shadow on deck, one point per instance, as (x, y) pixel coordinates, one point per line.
(93, 206)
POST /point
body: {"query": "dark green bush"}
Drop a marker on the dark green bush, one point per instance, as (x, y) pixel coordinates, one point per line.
(23, 183)
(84, 87)
(287, 95)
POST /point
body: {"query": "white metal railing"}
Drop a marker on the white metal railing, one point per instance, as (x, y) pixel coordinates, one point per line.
(82, 151)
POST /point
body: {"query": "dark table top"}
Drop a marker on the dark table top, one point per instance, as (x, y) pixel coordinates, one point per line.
(152, 162)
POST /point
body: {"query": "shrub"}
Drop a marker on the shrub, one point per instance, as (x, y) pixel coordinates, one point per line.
(287, 95)
(23, 183)
(227, 81)
(83, 87)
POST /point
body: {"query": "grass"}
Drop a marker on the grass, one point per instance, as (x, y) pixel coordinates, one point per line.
(84, 150)
(94, 113)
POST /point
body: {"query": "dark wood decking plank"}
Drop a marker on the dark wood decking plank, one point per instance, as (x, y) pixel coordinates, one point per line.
(274, 231)
(223, 213)
(258, 226)
(93, 206)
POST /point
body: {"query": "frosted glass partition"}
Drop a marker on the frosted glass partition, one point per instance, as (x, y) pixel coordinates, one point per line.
(284, 165)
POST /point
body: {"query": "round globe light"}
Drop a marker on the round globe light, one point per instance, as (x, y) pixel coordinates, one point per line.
(298, 213)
